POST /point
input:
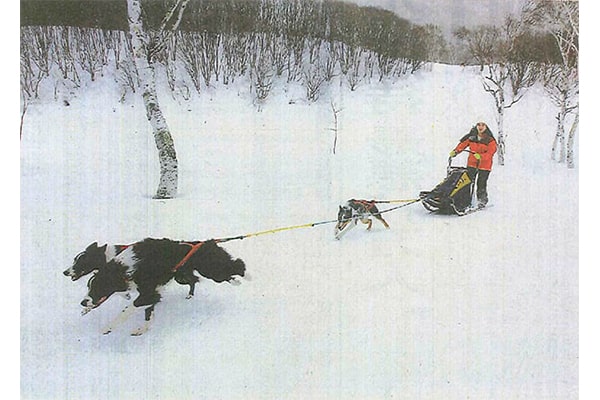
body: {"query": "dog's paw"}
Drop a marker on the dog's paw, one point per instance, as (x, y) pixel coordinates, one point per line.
(189, 296)
(141, 330)
(235, 282)
(107, 331)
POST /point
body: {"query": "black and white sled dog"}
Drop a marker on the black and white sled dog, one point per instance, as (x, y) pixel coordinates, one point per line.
(92, 259)
(147, 266)
(356, 210)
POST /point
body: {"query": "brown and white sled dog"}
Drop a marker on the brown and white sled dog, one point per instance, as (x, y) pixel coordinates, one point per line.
(146, 267)
(356, 210)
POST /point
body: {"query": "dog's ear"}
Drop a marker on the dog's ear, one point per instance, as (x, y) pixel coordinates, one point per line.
(92, 246)
(340, 207)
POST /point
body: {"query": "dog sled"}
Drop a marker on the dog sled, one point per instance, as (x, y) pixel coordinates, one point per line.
(452, 195)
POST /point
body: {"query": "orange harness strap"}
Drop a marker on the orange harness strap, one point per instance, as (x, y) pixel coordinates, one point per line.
(194, 248)
(368, 205)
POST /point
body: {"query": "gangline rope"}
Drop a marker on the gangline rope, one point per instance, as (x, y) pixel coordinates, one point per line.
(312, 224)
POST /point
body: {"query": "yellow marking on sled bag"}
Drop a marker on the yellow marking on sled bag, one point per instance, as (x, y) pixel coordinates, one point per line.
(462, 182)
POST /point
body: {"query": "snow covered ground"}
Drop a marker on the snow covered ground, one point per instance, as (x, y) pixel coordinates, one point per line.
(438, 307)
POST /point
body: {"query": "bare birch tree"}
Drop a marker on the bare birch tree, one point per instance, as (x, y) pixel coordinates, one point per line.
(561, 19)
(335, 129)
(561, 85)
(504, 76)
(145, 47)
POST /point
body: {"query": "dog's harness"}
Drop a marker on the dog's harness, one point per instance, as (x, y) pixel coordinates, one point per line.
(368, 205)
(194, 248)
(362, 208)
(121, 247)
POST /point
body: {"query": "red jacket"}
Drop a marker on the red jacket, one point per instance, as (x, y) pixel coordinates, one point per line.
(486, 147)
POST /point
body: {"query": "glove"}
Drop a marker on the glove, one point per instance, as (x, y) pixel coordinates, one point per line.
(477, 156)
(453, 153)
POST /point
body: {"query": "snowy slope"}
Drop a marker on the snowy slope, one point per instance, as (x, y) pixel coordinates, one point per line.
(482, 307)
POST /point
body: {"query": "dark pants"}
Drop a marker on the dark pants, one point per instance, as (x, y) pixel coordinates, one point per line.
(480, 177)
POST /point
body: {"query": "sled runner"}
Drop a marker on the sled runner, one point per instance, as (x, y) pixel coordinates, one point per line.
(452, 195)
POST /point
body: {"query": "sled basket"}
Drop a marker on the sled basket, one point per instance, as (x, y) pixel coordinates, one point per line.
(452, 195)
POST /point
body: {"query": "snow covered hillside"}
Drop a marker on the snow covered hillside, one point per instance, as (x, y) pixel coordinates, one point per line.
(438, 307)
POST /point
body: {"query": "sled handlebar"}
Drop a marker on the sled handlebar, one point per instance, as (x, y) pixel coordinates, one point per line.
(465, 150)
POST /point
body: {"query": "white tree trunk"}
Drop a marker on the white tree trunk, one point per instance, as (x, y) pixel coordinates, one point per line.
(571, 143)
(558, 146)
(494, 82)
(498, 93)
(501, 135)
(167, 187)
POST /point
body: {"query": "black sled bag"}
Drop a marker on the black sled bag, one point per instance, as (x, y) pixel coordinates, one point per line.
(452, 195)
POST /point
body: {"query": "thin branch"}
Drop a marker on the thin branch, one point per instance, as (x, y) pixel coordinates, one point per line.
(168, 16)
(161, 43)
(335, 128)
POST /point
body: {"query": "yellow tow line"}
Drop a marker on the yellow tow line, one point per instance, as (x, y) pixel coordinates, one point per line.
(312, 224)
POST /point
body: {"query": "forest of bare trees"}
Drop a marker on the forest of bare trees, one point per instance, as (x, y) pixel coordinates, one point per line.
(303, 41)
(306, 41)
(199, 44)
